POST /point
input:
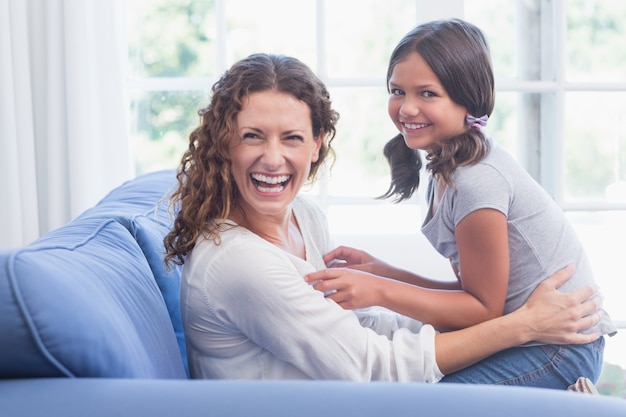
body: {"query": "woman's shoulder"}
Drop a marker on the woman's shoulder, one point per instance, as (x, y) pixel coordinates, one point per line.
(304, 205)
(233, 242)
(239, 254)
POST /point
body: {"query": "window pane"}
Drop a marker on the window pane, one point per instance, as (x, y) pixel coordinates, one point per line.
(361, 46)
(161, 122)
(515, 125)
(275, 26)
(363, 129)
(595, 146)
(171, 38)
(502, 125)
(602, 234)
(496, 19)
(614, 372)
(596, 31)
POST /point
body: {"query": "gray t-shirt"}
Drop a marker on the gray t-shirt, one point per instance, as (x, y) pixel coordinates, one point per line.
(541, 239)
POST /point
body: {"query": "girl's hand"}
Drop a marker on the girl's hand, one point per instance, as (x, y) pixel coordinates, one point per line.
(349, 288)
(347, 257)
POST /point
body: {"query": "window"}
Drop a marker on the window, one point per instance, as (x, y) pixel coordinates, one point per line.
(560, 109)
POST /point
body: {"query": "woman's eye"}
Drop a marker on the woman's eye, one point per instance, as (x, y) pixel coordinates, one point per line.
(250, 135)
(396, 92)
(295, 137)
(428, 94)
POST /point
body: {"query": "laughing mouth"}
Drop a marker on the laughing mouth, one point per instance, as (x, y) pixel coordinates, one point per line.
(270, 184)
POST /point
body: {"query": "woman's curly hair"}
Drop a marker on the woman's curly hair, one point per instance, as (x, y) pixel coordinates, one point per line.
(206, 191)
(458, 54)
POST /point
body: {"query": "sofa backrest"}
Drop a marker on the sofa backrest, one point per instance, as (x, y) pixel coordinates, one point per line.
(92, 298)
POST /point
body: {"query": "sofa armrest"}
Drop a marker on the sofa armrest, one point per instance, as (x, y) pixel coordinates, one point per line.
(74, 397)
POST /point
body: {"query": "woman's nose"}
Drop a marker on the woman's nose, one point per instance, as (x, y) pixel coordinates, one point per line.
(272, 153)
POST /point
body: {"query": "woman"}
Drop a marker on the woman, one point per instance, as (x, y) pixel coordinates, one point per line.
(247, 238)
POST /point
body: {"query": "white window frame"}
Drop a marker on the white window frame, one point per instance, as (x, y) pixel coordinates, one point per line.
(548, 171)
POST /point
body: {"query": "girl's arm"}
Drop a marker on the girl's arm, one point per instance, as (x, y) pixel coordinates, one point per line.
(483, 246)
(482, 240)
(345, 256)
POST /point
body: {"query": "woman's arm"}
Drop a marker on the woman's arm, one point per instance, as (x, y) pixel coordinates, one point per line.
(548, 316)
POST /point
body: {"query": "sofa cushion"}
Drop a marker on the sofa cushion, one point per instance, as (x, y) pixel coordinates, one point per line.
(141, 205)
(149, 232)
(83, 302)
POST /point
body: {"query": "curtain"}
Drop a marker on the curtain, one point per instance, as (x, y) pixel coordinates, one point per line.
(63, 121)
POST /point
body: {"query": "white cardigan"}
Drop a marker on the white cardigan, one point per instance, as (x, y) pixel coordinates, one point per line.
(249, 314)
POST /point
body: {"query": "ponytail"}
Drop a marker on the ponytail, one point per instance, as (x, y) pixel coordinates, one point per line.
(405, 164)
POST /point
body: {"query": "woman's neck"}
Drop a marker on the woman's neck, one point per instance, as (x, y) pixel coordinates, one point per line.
(281, 231)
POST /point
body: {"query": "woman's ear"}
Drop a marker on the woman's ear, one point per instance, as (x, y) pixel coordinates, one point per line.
(318, 144)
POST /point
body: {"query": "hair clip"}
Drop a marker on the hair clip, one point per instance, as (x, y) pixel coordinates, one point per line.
(477, 122)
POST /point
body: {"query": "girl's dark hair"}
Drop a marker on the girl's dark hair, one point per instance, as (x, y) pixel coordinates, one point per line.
(206, 191)
(405, 164)
(458, 54)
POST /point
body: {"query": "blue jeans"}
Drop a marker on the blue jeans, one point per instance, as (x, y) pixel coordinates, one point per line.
(546, 366)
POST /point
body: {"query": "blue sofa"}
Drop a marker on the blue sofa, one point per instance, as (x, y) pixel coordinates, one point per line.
(90, 326)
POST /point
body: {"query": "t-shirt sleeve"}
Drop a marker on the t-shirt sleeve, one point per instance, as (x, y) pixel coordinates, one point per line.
(477, 187)
(277, 310)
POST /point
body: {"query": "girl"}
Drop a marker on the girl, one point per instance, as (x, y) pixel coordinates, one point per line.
(502, 233)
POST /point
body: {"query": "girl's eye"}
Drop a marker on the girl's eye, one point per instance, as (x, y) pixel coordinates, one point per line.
(428, 94)
(396, 92)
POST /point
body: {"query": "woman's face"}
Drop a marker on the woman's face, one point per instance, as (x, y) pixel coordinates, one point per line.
(273, 152)
(419, 105)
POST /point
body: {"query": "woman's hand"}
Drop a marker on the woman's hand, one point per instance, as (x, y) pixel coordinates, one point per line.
(554, 317)
(350, 288)
(548, 316)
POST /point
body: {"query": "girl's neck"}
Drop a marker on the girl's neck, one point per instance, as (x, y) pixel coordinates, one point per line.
(439, 188)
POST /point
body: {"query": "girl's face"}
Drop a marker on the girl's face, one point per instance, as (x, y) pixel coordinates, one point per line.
(420, 107)
(273, 151)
